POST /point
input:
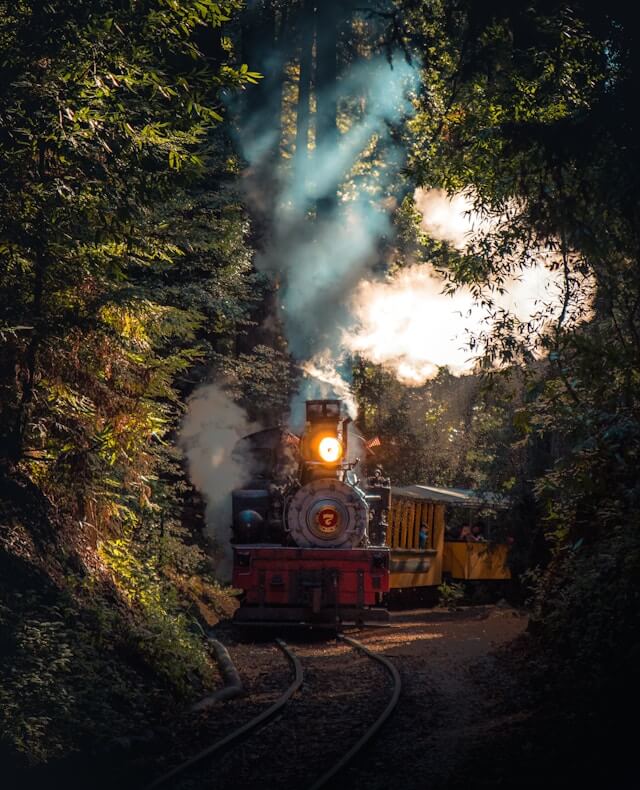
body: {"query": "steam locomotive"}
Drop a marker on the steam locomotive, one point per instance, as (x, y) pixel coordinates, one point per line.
(308, 534)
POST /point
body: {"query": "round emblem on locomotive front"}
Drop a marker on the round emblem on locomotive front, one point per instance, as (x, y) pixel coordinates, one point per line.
(327, 519)
(327, 513)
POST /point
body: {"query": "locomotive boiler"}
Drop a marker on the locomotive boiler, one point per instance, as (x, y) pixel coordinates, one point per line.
(308, 533)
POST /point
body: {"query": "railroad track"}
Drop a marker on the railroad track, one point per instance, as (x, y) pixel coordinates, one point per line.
(266, 717)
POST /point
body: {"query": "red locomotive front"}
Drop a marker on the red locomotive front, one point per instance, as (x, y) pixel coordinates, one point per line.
(308, 535)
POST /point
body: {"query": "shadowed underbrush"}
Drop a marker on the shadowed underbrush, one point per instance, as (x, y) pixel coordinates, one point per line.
(98, 645)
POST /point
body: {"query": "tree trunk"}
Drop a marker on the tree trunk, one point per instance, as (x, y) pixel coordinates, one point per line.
(30, 363)
(31, 356)
(306, 28)
(327, 17)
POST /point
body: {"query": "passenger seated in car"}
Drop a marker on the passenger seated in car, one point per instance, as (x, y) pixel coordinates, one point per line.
(423, 536)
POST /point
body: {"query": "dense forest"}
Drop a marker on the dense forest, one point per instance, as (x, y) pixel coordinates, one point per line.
(212, 211)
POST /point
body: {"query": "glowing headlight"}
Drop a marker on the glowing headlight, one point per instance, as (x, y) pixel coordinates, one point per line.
(330, 449)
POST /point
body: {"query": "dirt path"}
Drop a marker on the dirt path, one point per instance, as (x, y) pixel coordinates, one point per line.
(448, 707)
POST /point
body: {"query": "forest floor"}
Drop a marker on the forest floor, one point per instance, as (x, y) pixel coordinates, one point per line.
(477, 712)
(474, 714)
(467, 718)
(454, 690)
(457, 696)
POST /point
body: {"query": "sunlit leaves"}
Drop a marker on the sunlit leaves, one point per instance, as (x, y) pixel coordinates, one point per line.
(109, 112)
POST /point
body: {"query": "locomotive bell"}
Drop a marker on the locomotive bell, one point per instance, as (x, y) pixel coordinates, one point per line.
(328, 513)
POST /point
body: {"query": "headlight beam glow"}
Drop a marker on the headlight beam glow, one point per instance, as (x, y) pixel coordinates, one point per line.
(330, 449)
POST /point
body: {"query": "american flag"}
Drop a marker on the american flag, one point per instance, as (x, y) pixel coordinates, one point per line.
(373, 443)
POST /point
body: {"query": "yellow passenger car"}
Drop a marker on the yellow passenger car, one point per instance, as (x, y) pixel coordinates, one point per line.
(425, 562)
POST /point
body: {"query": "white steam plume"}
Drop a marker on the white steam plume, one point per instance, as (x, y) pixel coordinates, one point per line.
(322, 378)
(211, 427)
(408, 324)
(449, 218)
(325, 377)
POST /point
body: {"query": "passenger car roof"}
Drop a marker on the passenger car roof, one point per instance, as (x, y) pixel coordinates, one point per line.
(462, 497)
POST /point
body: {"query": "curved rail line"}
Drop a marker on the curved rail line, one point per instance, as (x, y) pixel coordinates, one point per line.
(373, 729)
(270, 712)
(246, 728)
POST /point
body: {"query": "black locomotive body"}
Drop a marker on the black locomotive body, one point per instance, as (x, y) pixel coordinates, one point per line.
(308, 534)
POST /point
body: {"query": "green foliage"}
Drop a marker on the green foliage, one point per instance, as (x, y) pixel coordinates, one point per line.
(586, 609)
(74, 675)
(263, 382)
(97, 659)
(451, 594)
(35, 687)
(452, 431)
(534, 113)
(105, 204)
(164, 636)
(124, 267)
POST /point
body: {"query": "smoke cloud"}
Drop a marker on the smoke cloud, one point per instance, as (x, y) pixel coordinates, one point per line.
(407, 324)
(211, 427)
(330, 302)
(319, 262)
(449, 218)
(316, 258)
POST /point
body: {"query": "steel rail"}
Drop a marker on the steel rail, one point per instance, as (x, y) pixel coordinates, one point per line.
(241, 732)
(373, 729)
